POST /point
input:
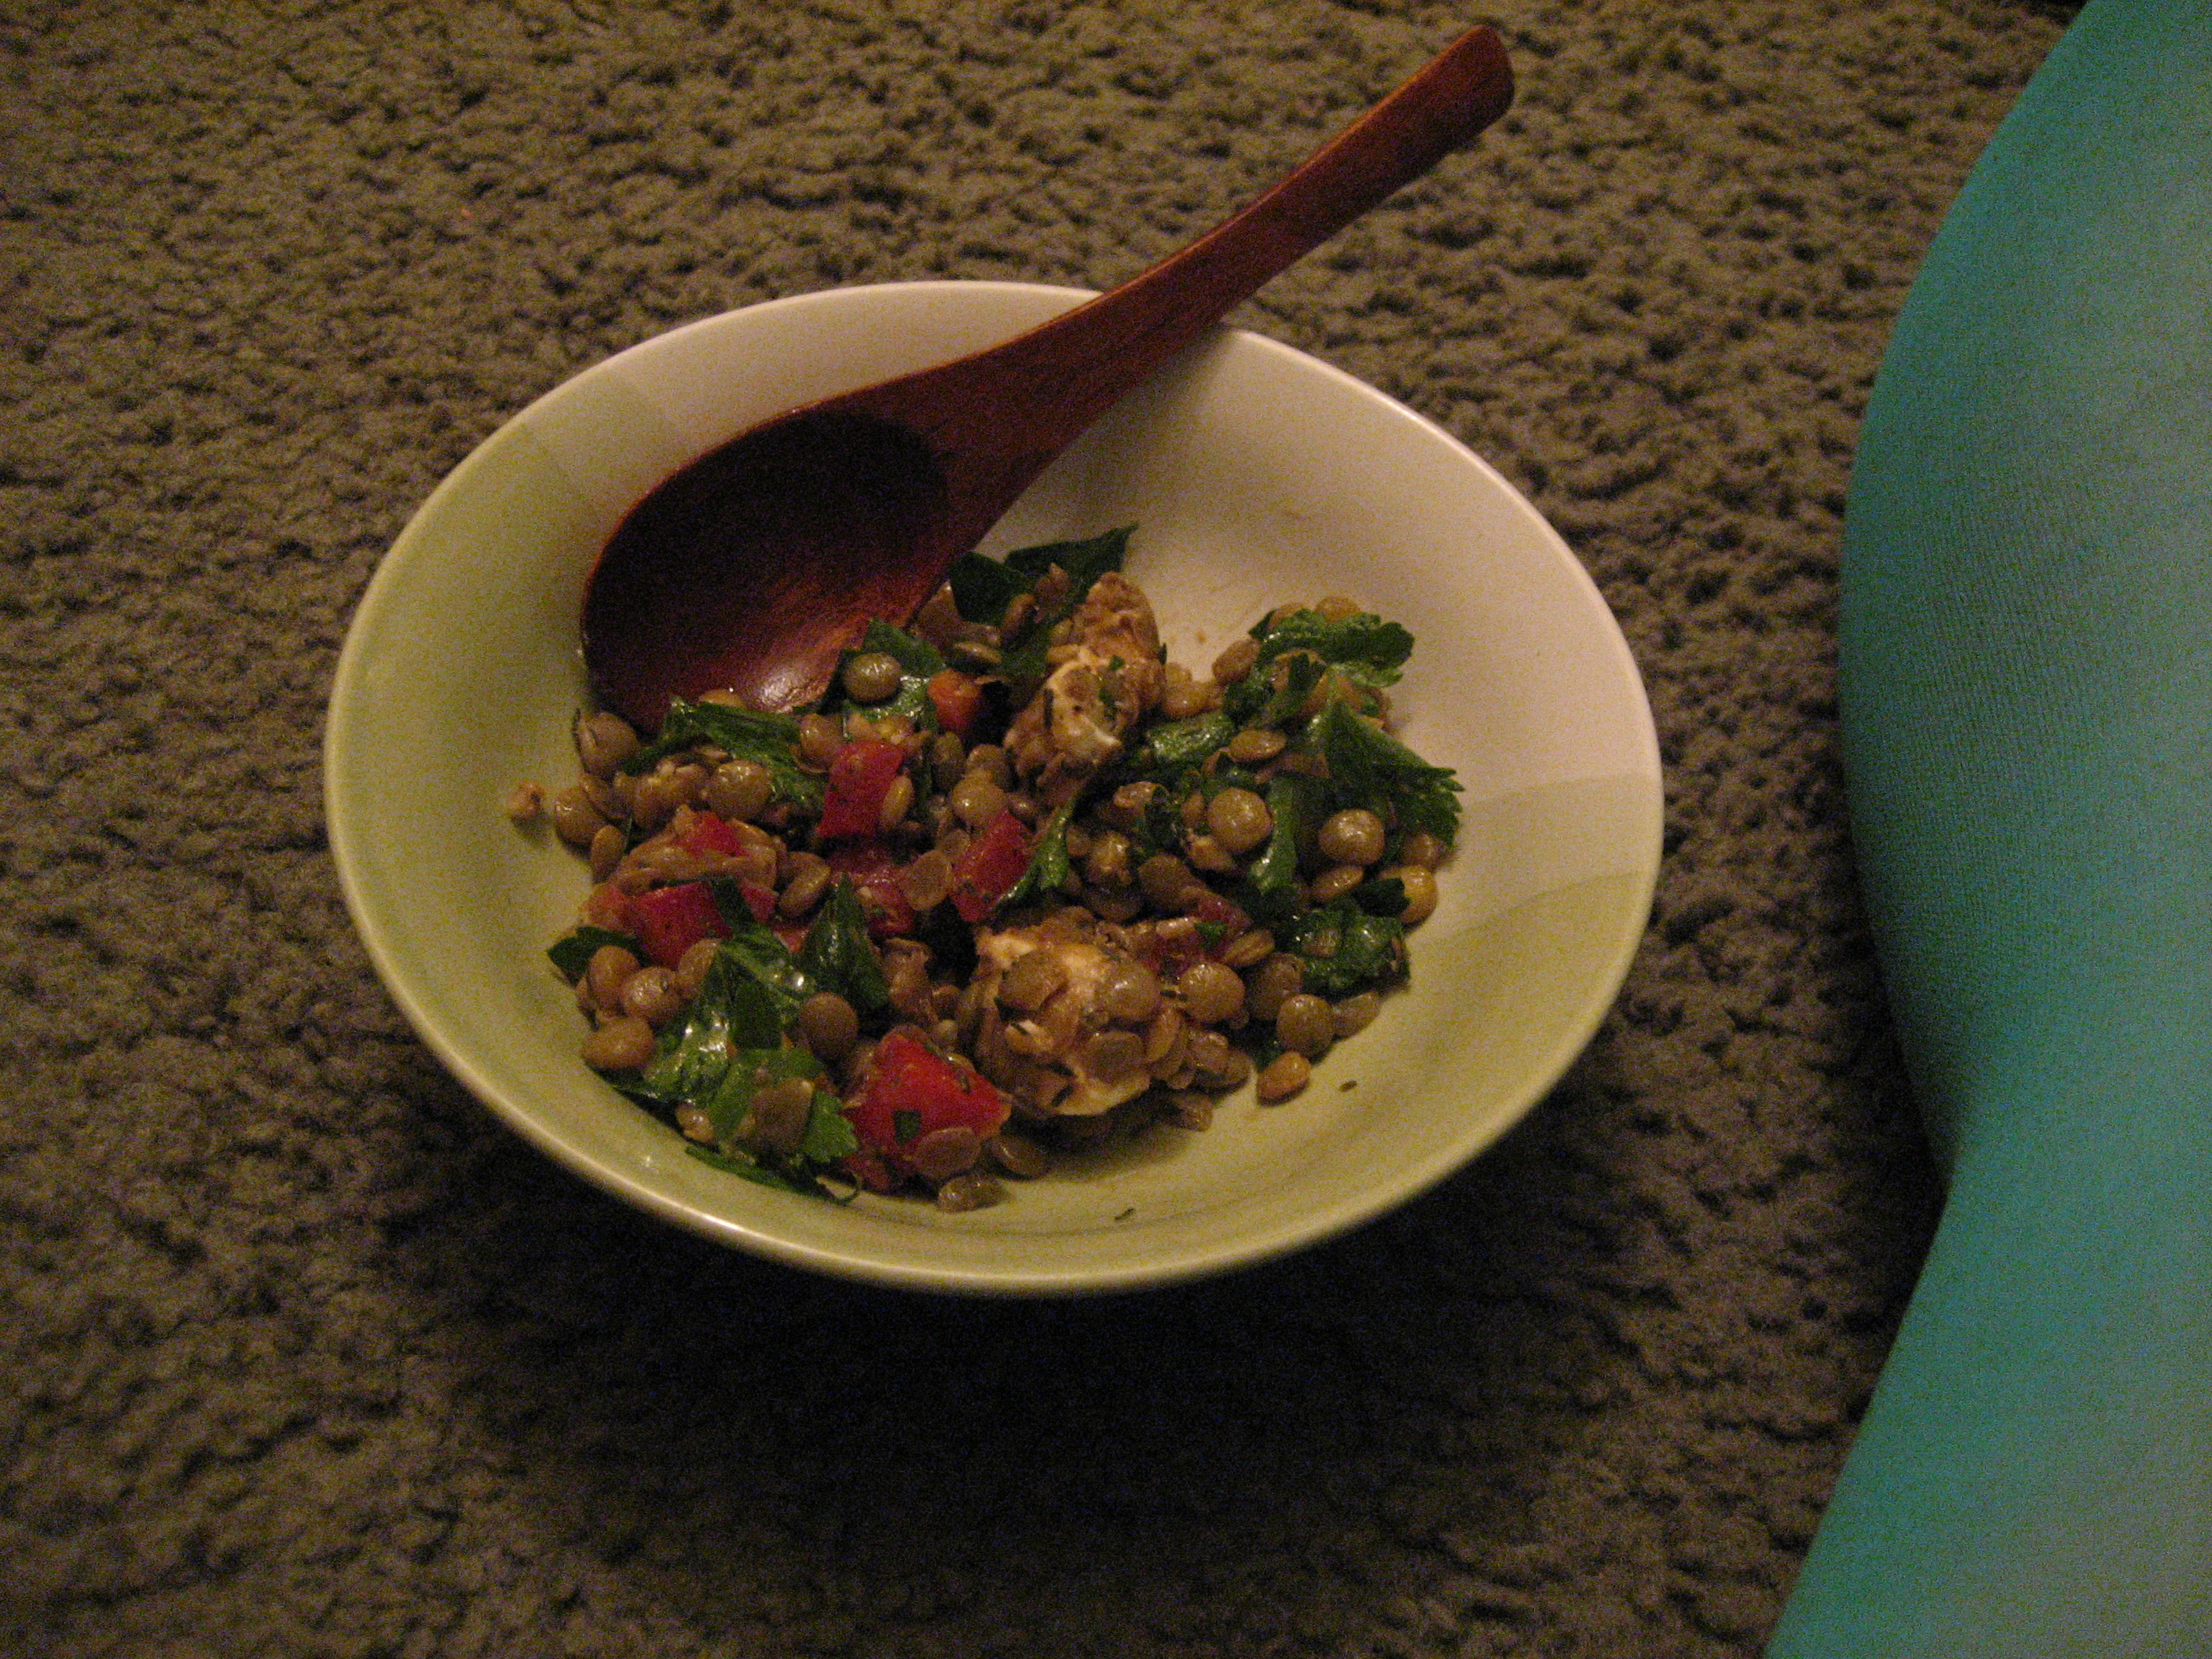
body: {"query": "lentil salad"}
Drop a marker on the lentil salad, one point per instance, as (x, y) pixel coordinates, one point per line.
(1015, 886)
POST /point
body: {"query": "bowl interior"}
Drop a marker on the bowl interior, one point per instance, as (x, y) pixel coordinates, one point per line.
(1253, 474)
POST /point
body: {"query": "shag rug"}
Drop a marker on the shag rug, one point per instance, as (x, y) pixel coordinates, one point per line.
(301, 1355)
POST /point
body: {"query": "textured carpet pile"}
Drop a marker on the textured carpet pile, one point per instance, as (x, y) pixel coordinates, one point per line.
(300, 1355)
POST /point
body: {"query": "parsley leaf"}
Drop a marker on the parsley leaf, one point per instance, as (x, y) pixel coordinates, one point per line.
(982, 587)
(572, 953)
(1050, 866)
(1179, 746)
(1362, 646)
(771, 739)
(917, 660)
(751, 950)
(1368, 767)
(733, 1012)
(1294, 803)
(837, 955)
(1346, 949)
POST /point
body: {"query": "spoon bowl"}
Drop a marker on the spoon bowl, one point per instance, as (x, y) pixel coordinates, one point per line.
(752, 568)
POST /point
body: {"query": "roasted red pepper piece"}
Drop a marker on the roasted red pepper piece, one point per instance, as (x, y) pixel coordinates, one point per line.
(996, 860)
(957, 697)
(861, 772)
(875, 877)
(912, 1090)
(669, 921)
(709, 836)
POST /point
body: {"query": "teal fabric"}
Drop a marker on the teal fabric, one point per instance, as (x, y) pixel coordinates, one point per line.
(2027, 710)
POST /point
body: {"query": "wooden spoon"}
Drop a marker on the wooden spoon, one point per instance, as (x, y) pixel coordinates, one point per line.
(754, 566)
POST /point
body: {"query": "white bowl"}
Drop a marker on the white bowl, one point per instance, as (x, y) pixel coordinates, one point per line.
(1255, 475)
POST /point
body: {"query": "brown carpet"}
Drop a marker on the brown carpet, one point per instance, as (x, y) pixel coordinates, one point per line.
(301, 1356)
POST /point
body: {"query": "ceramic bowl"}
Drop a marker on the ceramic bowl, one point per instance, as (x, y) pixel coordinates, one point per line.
(1253, 474)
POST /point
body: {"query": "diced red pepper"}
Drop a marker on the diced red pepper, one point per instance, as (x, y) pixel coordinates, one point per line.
(875, 877)
(996, 860)
(912, 1091)
(669, 921)
(957, 698)
(760, 900)
(860, 775)
(709, 836)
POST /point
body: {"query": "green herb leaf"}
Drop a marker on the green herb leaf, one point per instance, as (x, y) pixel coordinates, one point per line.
(1380, 895)
(917, 660)
(771, 739)
(837, 954)
(1085, 560)
(761, 956)
(1275, 694)
(1363, 647)
(1049, 865)
(1294, 802)
(983, 587)
(732, 1013)
(738, 1165)
(1368, 767)
(830, 1133)
(751, 1071)
(1180, 746)
(572, 953)
(906, 1124)
(1346, 949)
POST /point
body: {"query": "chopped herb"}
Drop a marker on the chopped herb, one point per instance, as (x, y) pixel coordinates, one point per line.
(1183, 745)
(745, 734)
(1294, 803)
(572, 953)
(732, 1013)
(917, 660)
(1380, 895)
(1050, 866)
(751, 950)
(830, 1135)
(750, 1071)
(1368, 767)
(838, 956)
(1362, 646)
(1346, 950)
(983, 587)
(1276, 693)
(905, 1125)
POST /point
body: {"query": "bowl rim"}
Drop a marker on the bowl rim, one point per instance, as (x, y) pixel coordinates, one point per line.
(1013, 1278)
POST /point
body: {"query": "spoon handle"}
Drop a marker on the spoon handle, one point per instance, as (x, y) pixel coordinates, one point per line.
(1045, 388)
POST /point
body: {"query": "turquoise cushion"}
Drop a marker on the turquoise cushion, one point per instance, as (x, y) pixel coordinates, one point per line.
(2027, 709)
